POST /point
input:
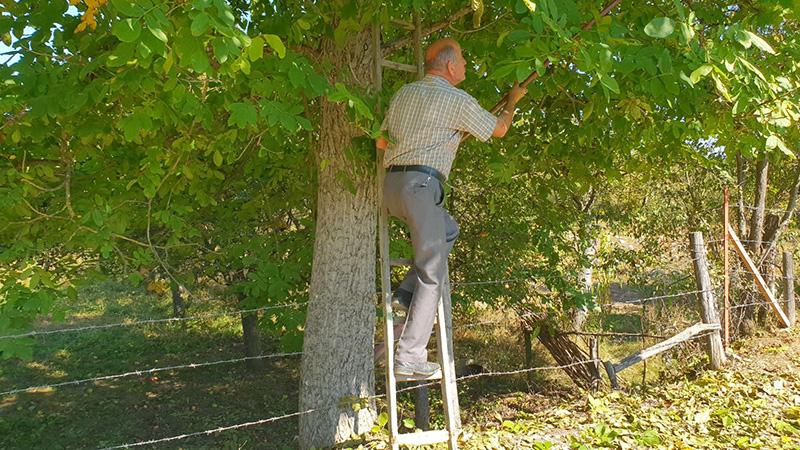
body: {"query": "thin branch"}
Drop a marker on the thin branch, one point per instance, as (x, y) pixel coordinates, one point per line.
(42, 188)
(481, 28)
(391, 47)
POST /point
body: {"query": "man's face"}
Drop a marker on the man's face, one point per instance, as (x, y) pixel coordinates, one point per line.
(459, 68)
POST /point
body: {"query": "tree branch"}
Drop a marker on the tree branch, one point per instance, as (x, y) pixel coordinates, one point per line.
(391, 47)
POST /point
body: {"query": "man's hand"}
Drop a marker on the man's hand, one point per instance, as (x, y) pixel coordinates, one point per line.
(507, 113)
(516, 93)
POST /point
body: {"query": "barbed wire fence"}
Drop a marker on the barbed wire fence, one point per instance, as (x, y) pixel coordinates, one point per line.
(659, 300)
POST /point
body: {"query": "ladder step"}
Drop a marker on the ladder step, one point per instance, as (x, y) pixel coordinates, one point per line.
(406, 378)
(401, 262)
(423, 437)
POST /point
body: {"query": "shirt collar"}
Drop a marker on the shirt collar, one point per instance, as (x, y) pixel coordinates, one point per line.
(438, 79)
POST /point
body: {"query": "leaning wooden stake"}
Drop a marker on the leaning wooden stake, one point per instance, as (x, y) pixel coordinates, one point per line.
(760, 284)
(716, 353)
(612, 370)
(788, 287)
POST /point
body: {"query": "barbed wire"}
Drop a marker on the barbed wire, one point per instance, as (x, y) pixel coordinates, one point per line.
(145, 372)
(337, 405)
(743, 305)
(211, 431)
(753, 208)
(500, 281)
(662, 297)
(147, 321)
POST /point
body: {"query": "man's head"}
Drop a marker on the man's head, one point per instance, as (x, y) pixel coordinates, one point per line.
(443, 58)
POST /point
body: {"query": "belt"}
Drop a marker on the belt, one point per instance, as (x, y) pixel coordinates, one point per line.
(418, 168)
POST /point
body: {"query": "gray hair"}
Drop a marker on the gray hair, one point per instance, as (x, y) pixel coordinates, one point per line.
(447, 54)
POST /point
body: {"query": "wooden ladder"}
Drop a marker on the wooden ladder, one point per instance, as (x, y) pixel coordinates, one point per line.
(444, 323)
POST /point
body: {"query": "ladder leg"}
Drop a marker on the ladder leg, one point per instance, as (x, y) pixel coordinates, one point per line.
(444, 340)
(386, 297)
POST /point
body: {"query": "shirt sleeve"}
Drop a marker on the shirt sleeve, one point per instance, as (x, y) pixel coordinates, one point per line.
(475, 120)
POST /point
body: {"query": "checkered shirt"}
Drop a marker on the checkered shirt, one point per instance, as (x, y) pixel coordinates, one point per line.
(426, 121)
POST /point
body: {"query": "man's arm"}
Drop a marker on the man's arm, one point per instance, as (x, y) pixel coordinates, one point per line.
(506, 117)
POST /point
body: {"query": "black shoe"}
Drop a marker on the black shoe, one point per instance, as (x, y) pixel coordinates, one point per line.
(410, 369)
(401, 299)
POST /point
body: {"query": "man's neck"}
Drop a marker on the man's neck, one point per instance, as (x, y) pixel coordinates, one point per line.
(441, 75)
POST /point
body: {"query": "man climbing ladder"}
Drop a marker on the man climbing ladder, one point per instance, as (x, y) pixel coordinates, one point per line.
(425, 123)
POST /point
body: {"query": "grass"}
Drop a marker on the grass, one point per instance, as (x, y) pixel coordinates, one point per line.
(538, 411)
(120, 411)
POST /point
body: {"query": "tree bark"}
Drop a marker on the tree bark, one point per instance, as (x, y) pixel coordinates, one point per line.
(740, 182)
(586, 273)
(759, 203)
(337, 359)
(252, 341)
(178, 307)
(787, 215)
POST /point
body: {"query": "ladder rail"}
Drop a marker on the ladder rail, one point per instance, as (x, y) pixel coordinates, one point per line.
(444, 323)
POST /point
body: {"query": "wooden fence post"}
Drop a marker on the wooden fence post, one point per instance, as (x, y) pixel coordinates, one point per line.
(708, 308)
(788, 287)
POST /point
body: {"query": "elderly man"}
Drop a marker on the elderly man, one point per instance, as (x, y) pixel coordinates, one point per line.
(425, 123)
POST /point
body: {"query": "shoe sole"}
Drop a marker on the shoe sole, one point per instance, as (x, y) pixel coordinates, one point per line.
(411, 373)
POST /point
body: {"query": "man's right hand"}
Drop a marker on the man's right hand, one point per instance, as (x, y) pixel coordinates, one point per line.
(516, 93)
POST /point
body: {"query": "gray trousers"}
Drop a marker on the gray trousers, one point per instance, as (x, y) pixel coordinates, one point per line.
(418, 200)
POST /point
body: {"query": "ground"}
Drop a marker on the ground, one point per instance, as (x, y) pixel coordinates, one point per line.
(753, 403)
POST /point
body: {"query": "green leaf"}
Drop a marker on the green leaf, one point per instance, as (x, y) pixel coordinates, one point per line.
(158, 33)
(408, 423)
(242, 115)
(700, 73)
(610, 83)
(774, 141)
(477, 12)
(743, 38)
(687, 31)
(217, 158)
(127, 30)
(721, 87)
(121, 55)
(220, 49)
(660, 27)
(200, 24)
(127, 8)
(760, 43)
(752, 68)
(256, 49)
(530, 4)
(276, 44)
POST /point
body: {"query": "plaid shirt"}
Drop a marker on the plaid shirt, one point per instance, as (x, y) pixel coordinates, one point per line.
(426, 121)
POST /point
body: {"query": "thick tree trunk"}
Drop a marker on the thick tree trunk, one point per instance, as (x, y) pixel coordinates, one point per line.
(337, 353)
(252, 341)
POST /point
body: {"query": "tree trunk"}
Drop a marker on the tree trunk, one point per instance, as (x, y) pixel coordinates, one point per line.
(586, 273)
(585, 276)
(759, 203)
(740, 182)
(178, 307)
(337, 360)
(252, 341)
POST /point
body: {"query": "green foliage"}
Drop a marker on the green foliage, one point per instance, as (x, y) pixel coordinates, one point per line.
(180, 137)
